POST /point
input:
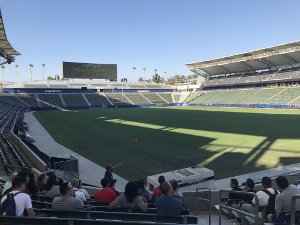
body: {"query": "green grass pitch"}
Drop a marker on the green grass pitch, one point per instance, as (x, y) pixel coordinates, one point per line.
(230, 141)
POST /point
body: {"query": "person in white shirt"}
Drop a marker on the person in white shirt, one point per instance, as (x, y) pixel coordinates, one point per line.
(77, 192)
(23, 200)
(263, 198)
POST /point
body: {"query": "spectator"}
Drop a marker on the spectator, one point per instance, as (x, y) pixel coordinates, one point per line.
(142, 190)
(25, 175)
(234, 198)
(283, 200)
(52, 187)
(42, 183)
(167, 204)
(177, 194)
(249, 187)
(112, 186)
(130, 198)
(157, 190)
(22, 200)
(86, 194)
(262, 196)
(66, 201)
(75, 191)
(8, 185)
(106, 194)
(108, 173)
(175, 191)
(31, 186)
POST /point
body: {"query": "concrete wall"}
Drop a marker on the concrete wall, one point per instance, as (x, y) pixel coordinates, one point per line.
(35, 161)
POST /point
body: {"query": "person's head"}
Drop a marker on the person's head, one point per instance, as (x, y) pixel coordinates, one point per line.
(249, 184)
(65, 188)
(53, 180)
(131, 191)
(42, 179)
(166, 188)
(75, 183)
(161, 179)
(266, 182)
(13, 175)
(23, 174)
(105, 182)
(109, 168)
(112, 183)
(174, 184)
(282, 182)
(234, 183)
(19, 183)
(141, 184)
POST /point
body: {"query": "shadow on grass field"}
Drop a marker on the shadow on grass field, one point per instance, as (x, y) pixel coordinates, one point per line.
(153, 140)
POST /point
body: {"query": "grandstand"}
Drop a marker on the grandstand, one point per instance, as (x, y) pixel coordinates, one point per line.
(265, 78)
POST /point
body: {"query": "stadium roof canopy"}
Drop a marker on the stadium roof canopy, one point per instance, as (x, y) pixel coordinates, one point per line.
(6, 50)
(267, 58)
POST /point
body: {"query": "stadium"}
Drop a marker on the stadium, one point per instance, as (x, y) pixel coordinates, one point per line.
(241, 121)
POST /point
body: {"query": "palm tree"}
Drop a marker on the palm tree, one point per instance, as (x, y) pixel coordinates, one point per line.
(144, 72)
(2, 67)
(30, 67)
(134, 69)
(43, 65)
(17, 68)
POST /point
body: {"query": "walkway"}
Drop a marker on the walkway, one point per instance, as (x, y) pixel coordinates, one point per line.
(89, 172)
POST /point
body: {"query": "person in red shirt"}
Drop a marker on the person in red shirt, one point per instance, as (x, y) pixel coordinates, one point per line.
(156, 191)
(106, 194)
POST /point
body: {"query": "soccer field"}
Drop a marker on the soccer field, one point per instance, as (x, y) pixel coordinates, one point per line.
(230, 141)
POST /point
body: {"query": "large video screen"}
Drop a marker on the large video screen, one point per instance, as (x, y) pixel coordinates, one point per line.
(75, 70)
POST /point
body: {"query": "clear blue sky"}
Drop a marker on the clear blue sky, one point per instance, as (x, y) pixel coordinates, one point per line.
(155, 34)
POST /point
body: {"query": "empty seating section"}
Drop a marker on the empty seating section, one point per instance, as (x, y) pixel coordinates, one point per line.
(10, 156)
(192, 96)
(203, 97)
(166, 96)
(176, 97)
(11, 99)
(97, 100)
(215, 97)
(250, 96)
(28, 99)
(137, 99)
(213, 82)
(52, 99)
(238, 95)
(118, 99)
(72, 100)
(228, 80)
(261, 96)
(154, 98)
(255, 77)
(285, 96)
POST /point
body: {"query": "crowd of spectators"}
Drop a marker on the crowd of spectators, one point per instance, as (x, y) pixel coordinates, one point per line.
(70, 195)
(166, 197)
(274, 201)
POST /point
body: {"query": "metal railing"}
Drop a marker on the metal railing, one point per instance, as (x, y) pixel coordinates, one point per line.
(256, 206)
(67, 170)
(208, 200)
